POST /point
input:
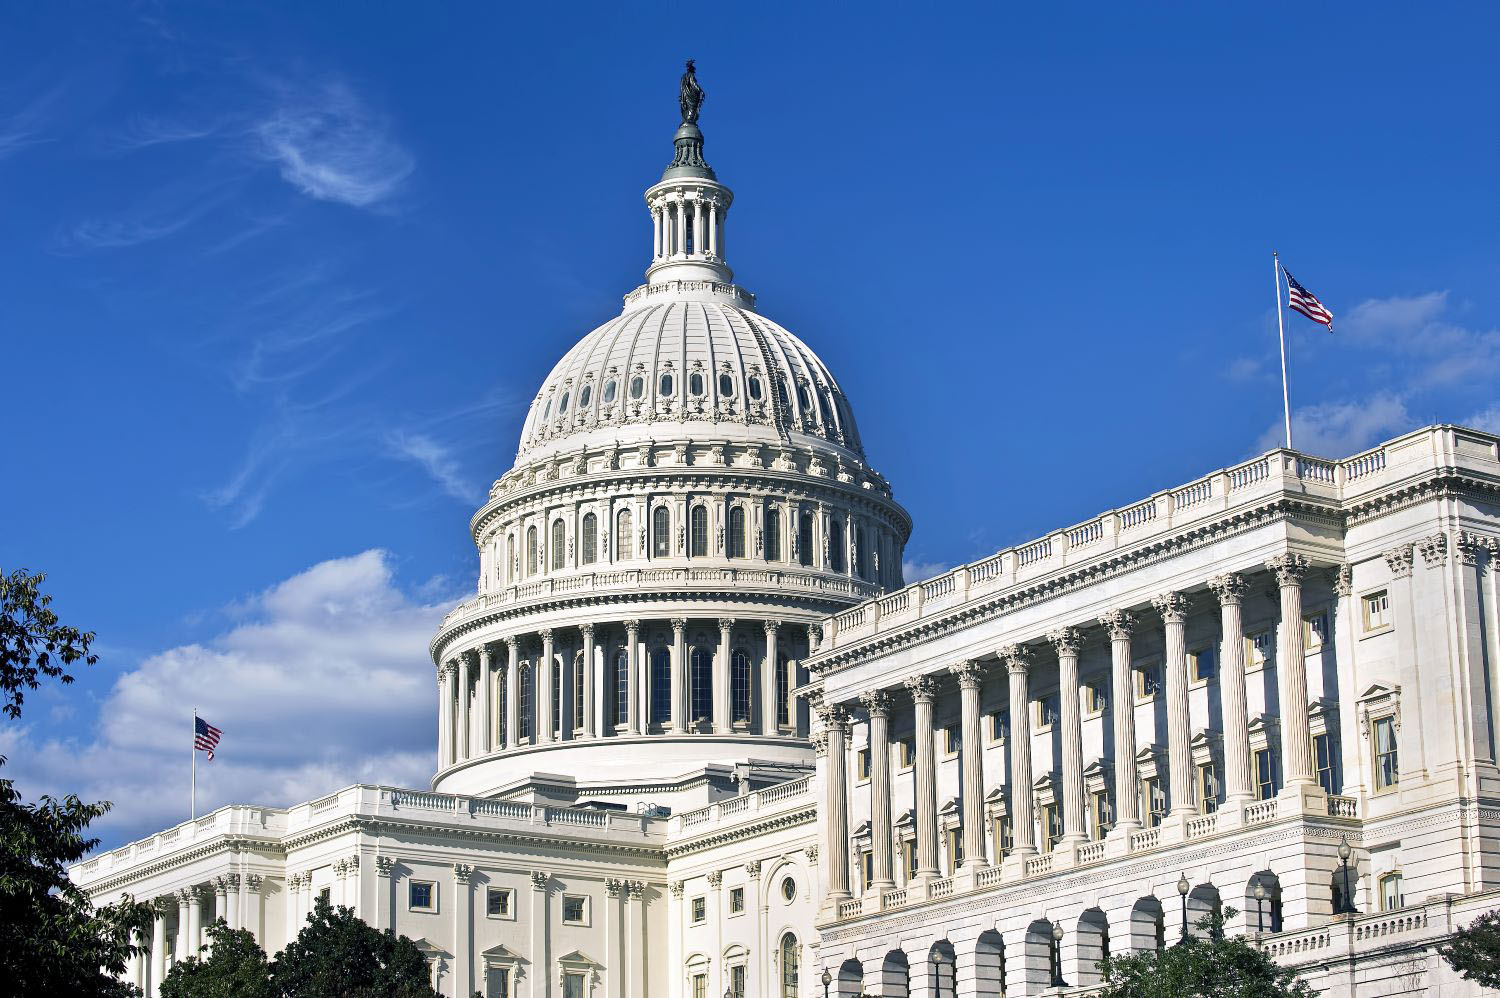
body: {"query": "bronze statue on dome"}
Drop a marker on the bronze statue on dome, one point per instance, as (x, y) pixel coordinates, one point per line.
(690, 97)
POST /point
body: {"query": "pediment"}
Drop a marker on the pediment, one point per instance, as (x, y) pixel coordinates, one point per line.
(1377, 691)
(1150, 753)
(861, 830)
(908, 817)
(431, 949)
(950, 807)
(996, 795)
(1099, 769)
(500, 951)
(578, 958)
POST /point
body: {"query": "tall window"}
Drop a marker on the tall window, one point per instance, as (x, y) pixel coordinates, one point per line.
(559, 545)
(1001, 837)
(531, 551)
(1156, 802)
(590, 538)
(661, 533)
(1323, 755)
(622, 686)
(1265, 774)
(1052, 825)
(524, 706)
(1390, 892)
(661, 685)
(1104, 818)
(791, 966)
(699, 530)
(573, 985)
(736, 539)
(578, 679)
(804, 538)
(860, 556)
(510, 558)
(1208, 788)
(773, 534)
(783, 693)
(739, 683)
(557, 695)
(624, 537)
(701, 675)
(1387, 764)
(836, 544)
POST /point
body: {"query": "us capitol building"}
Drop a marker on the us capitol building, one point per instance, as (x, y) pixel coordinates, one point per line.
(696, 735)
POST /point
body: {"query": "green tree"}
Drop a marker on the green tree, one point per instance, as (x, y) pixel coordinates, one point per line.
(236, 967)
(336, 955)
(52, 940)
(1475, 950)
(1216, 967)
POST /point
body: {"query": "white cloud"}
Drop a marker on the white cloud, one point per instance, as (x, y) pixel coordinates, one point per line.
(437, 460)
(1246, 369)
(329, 146)
(322, 680)
(1434, 351)
(1338, 429)
(1486, 419)
(916, 571)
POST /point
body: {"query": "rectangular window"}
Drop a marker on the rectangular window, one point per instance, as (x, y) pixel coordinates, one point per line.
(1390, 892)
(862, 764)
(700, 909)
(1103, 814)
(998, 725)
(737, 981)
(1044, 712)
(955, 841)
(1000, 836)
(575, 909)
(326, 894)
(1323, 756)
(700, 986)
(1314, 630)
(497, 902)
(867, 866)
(1377, 610)
(1201, 665)
(1208, 788)
(1265, 774)
(952, 739)
(421, 895)
(573, 985)
(909, 858)
(1387, 763)
(783, 693)
(1052, 826)
(736, 900)
(499, 982)
(1095, 701)
(1147, 681)
(1155, 801)
(1258, 649)
(906, 752)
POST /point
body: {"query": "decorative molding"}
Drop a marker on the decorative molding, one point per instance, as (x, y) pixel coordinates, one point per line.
(752, 869)
(1066, 641)
(463, 871)
(1400, 560)
(1434, 550)
(1173, 607)
(715, 878)
(1230, 588)
(877, 703)
(1343, 580)
(677, 887)
(1017, 658)
(1117, 623)
(923, 688)
(385, 865)
(538, 880)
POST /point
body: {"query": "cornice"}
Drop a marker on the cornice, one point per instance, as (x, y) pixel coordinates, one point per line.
(374, 825)
(739, 833)
(266, 848)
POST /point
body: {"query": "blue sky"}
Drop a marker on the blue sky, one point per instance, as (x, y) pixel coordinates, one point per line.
(278, 281)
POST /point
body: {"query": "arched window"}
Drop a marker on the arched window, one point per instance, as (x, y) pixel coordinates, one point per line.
(736, 539)
(559, 545)
(547, 411)
(726, 386)
(661, 685)
(525, 700)
(773, 534)
(701, 674)
(739, 687)
(531, 551)
(836, 545)
(510, 558)
(578, 691)
(557, 695)
(624, 537)
(803, 399)
(699, 530)
(804, 538)
(661, 533)
(791, 966)
(695, 383)
(622, 686)
(822, 410)
(590, 539)
(860, 556)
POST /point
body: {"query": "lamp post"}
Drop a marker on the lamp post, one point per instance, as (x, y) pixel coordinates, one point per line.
(827, 980)
(1346, 901)
(1260, 899)
(1057, 977)
(1182, 891)
(939, 961)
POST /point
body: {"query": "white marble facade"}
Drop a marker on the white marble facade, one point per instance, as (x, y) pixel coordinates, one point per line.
(697, 737)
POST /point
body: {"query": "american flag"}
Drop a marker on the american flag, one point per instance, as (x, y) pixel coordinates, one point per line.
(205, 737)
(1306, 302)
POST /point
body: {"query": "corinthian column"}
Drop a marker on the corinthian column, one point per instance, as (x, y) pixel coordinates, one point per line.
(633, 680)
(722, 684)
(677, 719)
(923, 695)
(445, 715)
(463, 706)
(590, 670)
(1119, 624)
(541, 727)
(1291, 673)
(512, 692)
(160, 907)
(878, 704)
(1173, 608)
(1066, 640)
(486, 700)
(970, 677)
(836, 804)
(1230, 591)
(1017, 659)
(768, 692)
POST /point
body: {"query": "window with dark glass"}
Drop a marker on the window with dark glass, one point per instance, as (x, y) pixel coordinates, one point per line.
(739, 683)
(584, 394)
(836, 545)
(574, 909)
(497, 902)
(525, 699)
(557, 695)
(622, 686)
(736, 900)
(1327, 764)
(661, 685)
(559, 545)
(531, 565)
(421, 895)
(736, 539)
(1387, 763)
(695, 383)
(783, 692)
(755, 389)
(1156, 802)
(578, 691)
(609, 392)
(1265, 774)
(661, 533)
(637, 387)
(726, 385)
(804, 538)
(664, 386)
(773, 534)
(590, 538)
(698, 527)
(624, 537)
(562, 404)
(701, 678)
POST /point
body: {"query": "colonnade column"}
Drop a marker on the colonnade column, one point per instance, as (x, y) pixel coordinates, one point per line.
(161, 906)
(135, 970)
(195, 920)
(713, 230)
(1017, 659)
(677, 718)
(1230, 590)
(590, 670)
(1066, 640)
(878, 704)
(633, 700)
(463, 706)
(231, 912)
(487, 700)
(1119, 624)
(512, 692)
(445, 715)
(836, 804)
(180, 950)
(680, 227)
(970, 677)
(1291, 674)
(565, 699)
(722, 684)
(769, 707)
(541, 724)
(923, 695)
(700, 227)
(656, 233)
(1173, 608)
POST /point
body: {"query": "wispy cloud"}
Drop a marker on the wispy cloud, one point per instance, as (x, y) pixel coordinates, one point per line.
(27, 126)
(330, 146)
(1487, 419)
(917, 570)
(1435, 350)
(1338, 429)
(142, 131)
(435, 459)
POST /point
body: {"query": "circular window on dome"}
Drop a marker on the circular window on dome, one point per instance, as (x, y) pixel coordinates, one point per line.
(726, 385)
(562, 405)
(609, 392)
(788, 888)
(695, 383)
(755, 389)
(664, 386)
(637, 387)
(583, 396)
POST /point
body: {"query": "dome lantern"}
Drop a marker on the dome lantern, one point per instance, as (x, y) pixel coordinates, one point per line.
(688, 205)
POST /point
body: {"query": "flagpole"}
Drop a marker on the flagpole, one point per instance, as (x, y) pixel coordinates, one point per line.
(1286, 399)
(193, 806)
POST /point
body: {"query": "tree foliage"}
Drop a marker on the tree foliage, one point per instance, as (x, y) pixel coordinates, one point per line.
(1475, 950)
(337, 955)
(1216, 967)
(52, 940)
(235, 967)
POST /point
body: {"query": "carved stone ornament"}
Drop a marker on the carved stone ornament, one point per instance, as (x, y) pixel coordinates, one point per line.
(923, 688)
(1400, 560)
(385, 865)
(970, 674)
(1017, 658)
(1288, 569)
(1343, 580)
(587, 630)
(677, 887)
(462, 872)
(1230, 588)
(1173, 607)
(820, 744)
(811, 852)
(1066, 640)
(752, 869)
(613, 887)
(253, 881)
(715, 878)
(876, 702)
(538, 880)
(1434, 550)
(1468, 546)
(1117, 623)
(637, 889)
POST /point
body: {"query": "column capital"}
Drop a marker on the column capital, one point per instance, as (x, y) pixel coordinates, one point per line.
(834, 715)
(462, 872)
(1118, 623)
(253, 881)
(679, 624)
(725, 623)
(752, 869)
(385, 865)
(715, 878)
(1017, 658)
(636, 889)
(1343, 580)
(633, 626)
(613, 887)
(1399, 558)
(1229, 588)
(923, 688)
(545, 633)
(538, 880)
(1173, 607)
(512, 641)
(1434, 550)
(163, 905)
(1066, 640)
(969, 672)
(1289, 569)
(587, 630)
(876, 702)
(772, 626)
(677, 887)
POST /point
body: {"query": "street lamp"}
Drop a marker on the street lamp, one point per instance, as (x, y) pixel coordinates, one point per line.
(1182, 891)
(940, 960)
(1260, 899)
(1057, 977)
(827, 980)
(1346, 902)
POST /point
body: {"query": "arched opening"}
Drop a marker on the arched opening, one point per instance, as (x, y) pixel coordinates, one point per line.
(558, 692)
(783, 692)
(695, 383)
(1148, 925)
(590, 538)
(1203, 903)
(791, 966)
(661, 533)
(624, 537)
(531, 565)
(836, 544)
(726, 386)
(851, 979)
(735, 541)
(804, 538)
(739, 682)
(941, 970)
(559, 545)
(622, 686)
(895, 975)
(524, 701)
(701, 678)
(989, 965)
(1263, 907)
(861, 556)
(1092, 943)
(698, 527)
(510, 558)
(773, 534)
(578, 678)
(1038, 953)
(661, 685)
